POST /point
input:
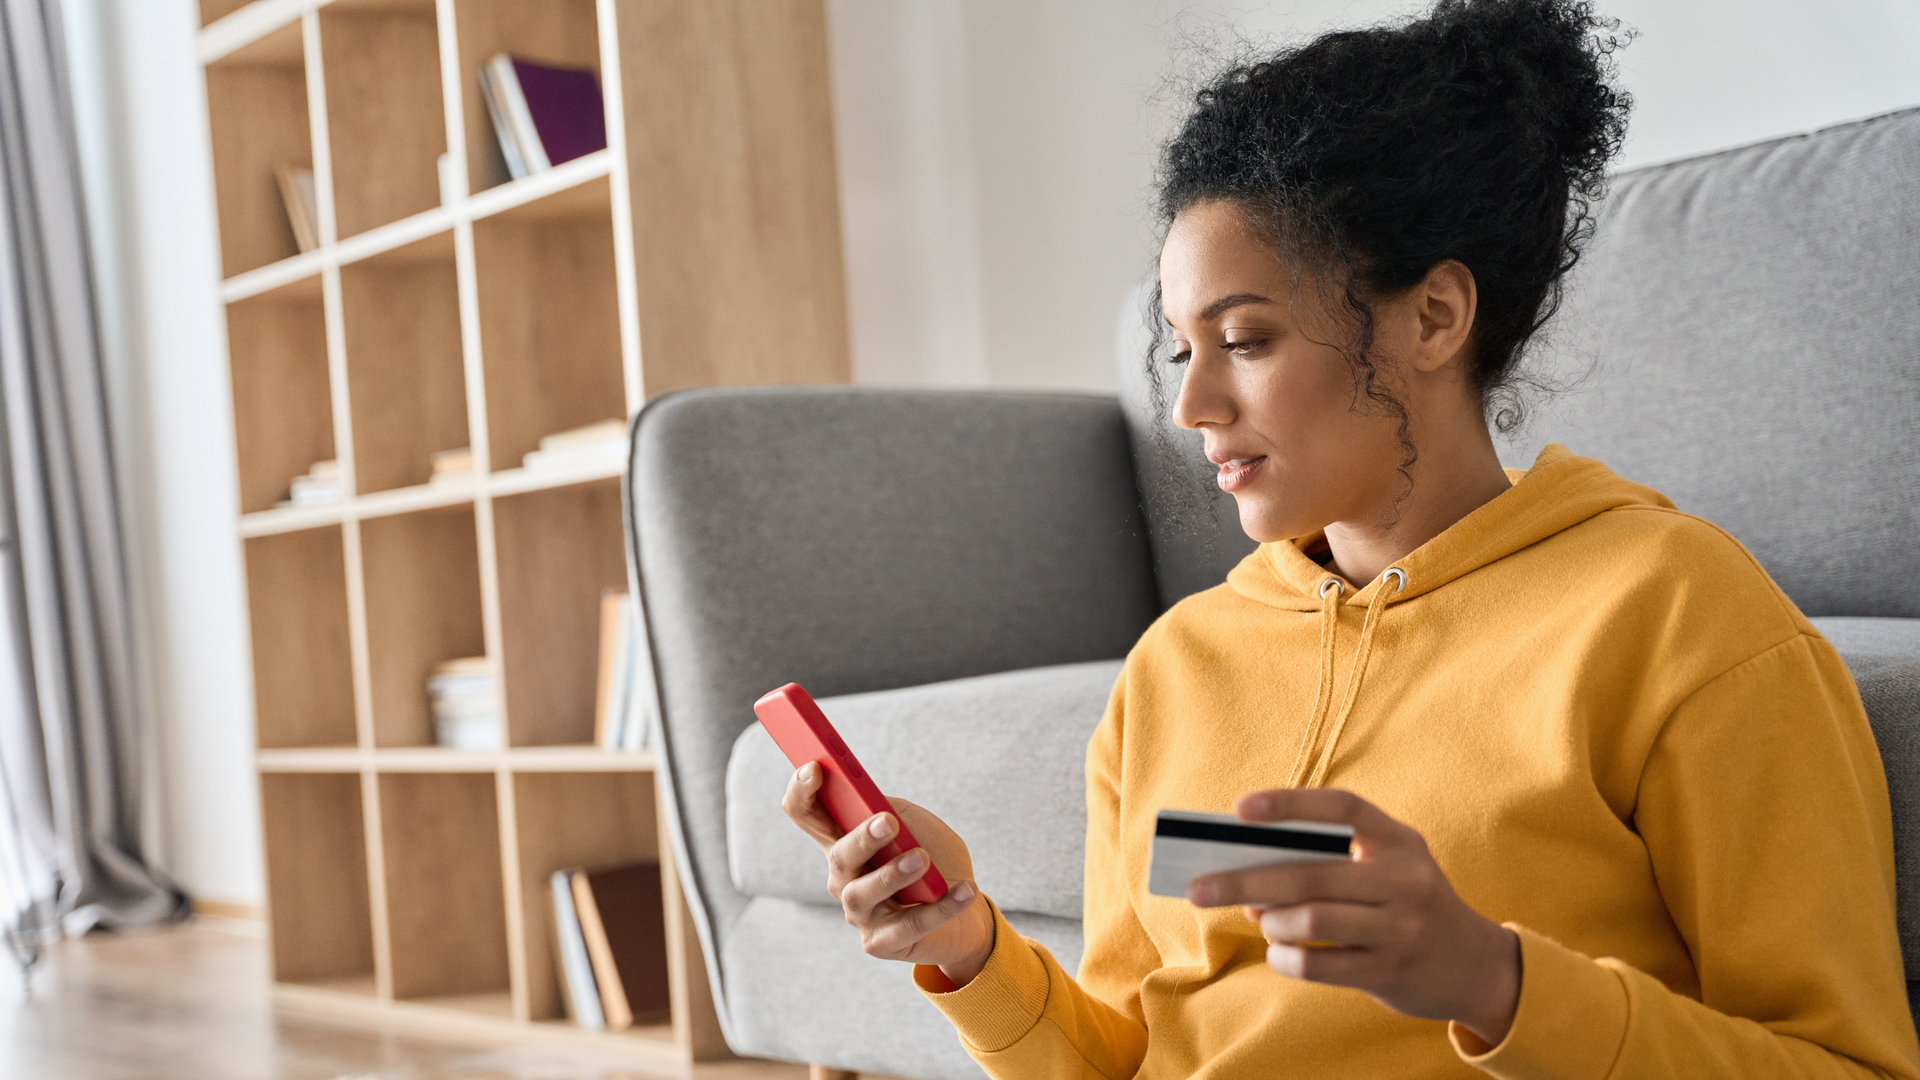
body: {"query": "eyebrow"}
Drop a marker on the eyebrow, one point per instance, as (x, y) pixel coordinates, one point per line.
(1228, 303)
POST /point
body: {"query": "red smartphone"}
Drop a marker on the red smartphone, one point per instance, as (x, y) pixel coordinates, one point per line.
(849, 794)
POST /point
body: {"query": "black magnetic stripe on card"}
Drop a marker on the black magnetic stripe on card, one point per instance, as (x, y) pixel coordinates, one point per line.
(1256, 835)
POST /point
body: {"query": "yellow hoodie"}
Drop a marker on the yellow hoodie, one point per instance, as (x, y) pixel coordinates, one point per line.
(1618, 737)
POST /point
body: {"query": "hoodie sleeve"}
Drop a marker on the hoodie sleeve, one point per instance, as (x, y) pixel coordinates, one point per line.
(1764, 809)
(1023, 1015)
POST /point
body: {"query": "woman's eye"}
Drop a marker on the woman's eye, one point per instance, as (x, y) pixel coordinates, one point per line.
(1246, 348)
(1180, 357)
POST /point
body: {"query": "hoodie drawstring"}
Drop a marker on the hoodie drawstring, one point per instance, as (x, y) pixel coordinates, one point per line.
(1329, 618)
(1323, 682)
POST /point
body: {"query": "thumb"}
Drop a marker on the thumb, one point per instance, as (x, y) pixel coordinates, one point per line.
(926, 918)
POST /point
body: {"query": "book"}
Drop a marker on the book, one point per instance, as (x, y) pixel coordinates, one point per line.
(303, 213)
(635, 718)
(324, 483)
(454, 464)
(601, 439)
(542, 115)
(595, 436)
(610, 694)
(500, 109)
(623, 694)
(623, 927)
(465, 705)
(577, 987)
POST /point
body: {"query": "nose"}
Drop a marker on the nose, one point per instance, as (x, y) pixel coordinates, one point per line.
(1203, 396)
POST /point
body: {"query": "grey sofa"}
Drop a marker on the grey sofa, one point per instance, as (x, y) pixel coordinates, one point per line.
(957, 574)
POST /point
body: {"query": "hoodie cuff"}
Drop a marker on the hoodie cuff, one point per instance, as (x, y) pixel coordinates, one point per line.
(1003, 1002)
(1570, 1024)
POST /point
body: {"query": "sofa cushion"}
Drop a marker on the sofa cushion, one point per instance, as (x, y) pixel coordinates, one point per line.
(1884, 655)
(1001, 758)
(1857, 637)
(1890, 688)
(812, 995)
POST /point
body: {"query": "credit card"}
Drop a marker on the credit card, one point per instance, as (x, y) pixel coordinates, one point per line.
(1187, 844)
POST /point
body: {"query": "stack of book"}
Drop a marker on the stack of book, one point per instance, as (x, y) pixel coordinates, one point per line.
(452, 465)
(620, 704)
(466, 705)
(606, 439)
(323, 484)
(542, 115)
(303, 211)
(610, 929)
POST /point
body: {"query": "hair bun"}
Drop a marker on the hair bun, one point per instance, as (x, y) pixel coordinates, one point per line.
(1550, 62)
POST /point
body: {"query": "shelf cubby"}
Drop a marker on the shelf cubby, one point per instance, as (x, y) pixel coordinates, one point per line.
(302, 653)
(549, 320)
(565, 821)
(257, 113)
(212, 11)
(422, 576)
(282, 397)
(556, 551)
(446, 898)
(322, 929)
(405, 376)
(385, 123)
(564, 33)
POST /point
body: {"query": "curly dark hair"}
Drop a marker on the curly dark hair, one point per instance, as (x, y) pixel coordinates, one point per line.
(1480, 132)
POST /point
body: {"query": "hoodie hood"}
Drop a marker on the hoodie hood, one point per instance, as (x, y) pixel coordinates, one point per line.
(1560, 491)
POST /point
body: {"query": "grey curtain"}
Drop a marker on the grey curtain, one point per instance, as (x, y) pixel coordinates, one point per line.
(70, 739)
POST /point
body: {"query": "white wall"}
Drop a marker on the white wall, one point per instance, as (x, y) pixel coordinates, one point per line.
(1056, 106)
(1712, 74)
(906, 163)
(995, 159)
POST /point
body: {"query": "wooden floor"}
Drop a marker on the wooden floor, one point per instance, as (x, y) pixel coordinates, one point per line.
(192, 1003)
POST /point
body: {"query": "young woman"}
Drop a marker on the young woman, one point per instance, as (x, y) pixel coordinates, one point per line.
(1617, 809)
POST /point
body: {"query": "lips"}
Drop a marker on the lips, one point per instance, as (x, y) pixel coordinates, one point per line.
(1236, 473)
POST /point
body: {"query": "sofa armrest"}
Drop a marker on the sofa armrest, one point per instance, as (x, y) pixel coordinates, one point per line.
(858, 539)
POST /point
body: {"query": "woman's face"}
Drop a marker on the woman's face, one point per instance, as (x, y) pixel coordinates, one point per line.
(1296, 444)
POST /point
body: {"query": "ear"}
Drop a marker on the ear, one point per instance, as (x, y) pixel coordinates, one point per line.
(1444, 303)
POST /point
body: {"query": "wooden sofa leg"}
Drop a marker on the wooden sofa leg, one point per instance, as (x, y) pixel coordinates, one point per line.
(823, 1072)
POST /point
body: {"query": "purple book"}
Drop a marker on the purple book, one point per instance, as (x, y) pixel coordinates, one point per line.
(564, 105)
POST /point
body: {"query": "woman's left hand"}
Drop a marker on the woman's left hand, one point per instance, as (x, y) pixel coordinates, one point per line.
(1386, 922)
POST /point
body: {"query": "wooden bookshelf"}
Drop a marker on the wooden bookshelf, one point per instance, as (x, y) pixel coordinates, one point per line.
(407, 881)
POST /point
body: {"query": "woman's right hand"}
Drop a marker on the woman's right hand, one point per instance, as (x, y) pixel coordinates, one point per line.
(953, 932)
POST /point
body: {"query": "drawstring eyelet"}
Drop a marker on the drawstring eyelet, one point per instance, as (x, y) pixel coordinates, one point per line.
(1334, 583)
(1394, 571)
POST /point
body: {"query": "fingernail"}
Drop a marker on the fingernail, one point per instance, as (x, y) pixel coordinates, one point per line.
(806, 773)
(963, 892)
(1203, 894)
(882, 826)
(913, 862)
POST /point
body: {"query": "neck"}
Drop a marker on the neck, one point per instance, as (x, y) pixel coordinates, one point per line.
(1451, 479)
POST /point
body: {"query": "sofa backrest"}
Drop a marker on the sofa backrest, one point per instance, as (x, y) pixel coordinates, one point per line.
(1748, 323)
(1742, 334)
(854, 540)
(1193, 527)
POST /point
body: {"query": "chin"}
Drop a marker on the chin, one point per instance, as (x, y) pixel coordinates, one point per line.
(1265, 522)
(1257, 521)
